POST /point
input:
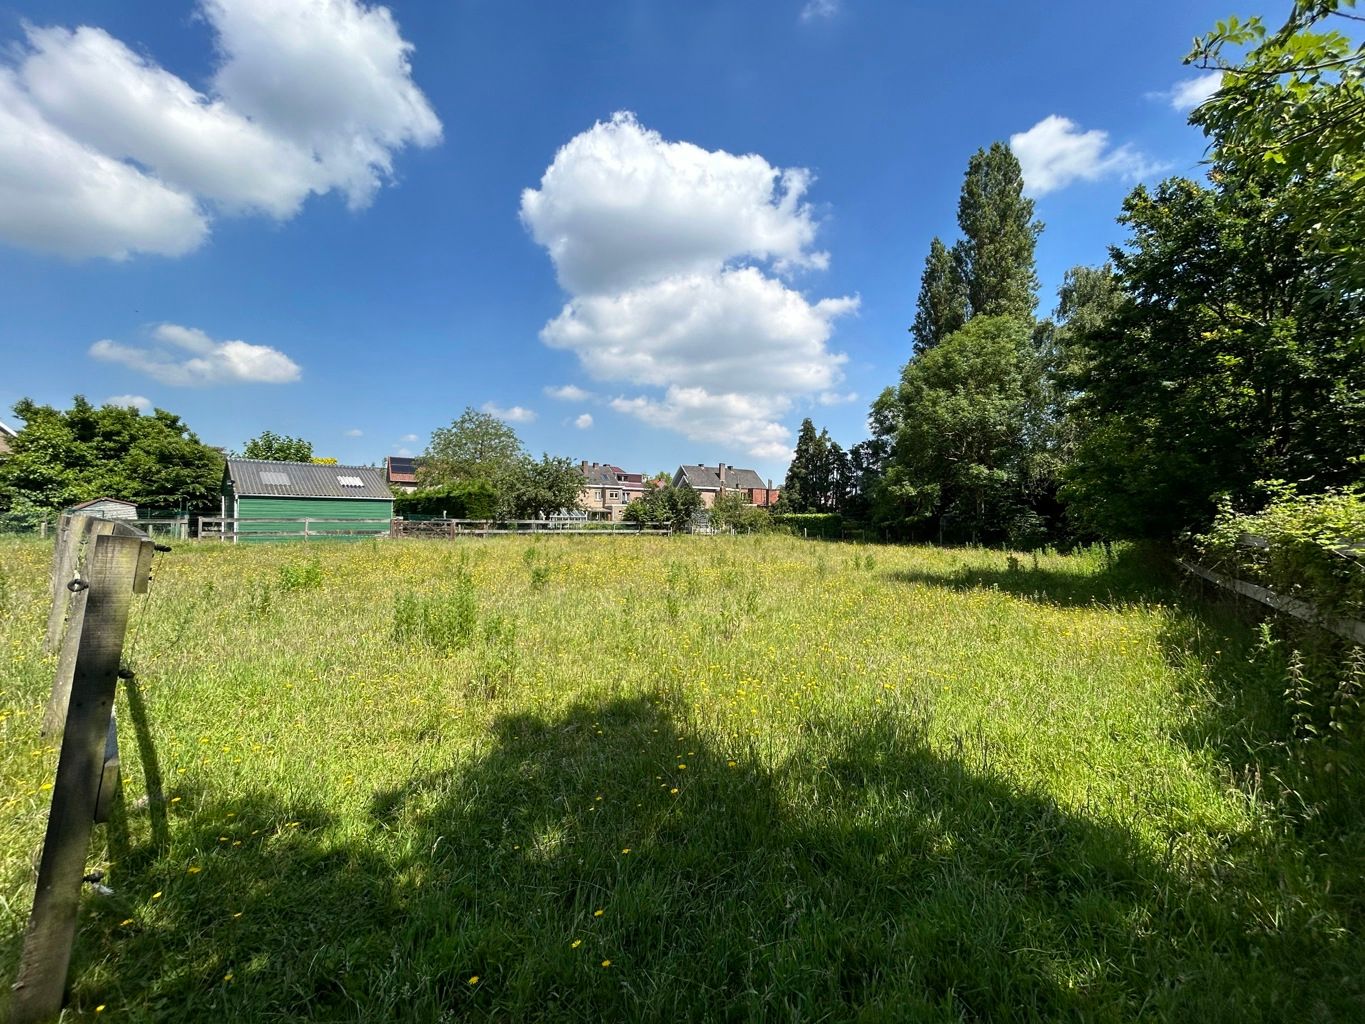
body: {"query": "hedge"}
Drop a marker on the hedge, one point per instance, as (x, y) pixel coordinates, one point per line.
(461, 501)
(810, 524)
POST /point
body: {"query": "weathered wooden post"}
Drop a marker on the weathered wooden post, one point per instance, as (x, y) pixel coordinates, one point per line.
(115, 567)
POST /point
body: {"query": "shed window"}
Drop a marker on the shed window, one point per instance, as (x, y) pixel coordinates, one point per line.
(350, 481)
(271, 477)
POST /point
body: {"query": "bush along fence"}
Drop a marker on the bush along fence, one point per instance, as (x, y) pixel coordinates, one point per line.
(1301, 555)
(97, 567)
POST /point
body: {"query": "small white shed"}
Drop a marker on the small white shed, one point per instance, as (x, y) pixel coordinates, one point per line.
(105, 508)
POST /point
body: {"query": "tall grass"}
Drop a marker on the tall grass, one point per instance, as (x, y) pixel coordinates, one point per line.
(750, 778)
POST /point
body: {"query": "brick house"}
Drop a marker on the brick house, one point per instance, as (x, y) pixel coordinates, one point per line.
(608, 489)
(722, 479)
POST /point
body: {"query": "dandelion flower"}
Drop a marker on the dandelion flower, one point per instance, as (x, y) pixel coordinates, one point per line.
(473, 979)
(606, 963)
(625, 849)
(674, 791)
(100, 1008)
(227, 976)
(575, 943)
(598, 913)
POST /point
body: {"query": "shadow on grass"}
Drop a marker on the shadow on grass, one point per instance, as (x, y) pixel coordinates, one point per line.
(1131, 573)
(578, 871)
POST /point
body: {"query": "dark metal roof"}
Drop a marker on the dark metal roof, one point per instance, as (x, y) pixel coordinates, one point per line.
(259, 478)
(706, 478)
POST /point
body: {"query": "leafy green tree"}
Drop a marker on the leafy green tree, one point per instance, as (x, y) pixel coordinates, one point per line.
(1291, 112)
(278, 448)
(663, 503)
(1234, 357)
(942, 305)
(61, 458)
(476, 446)
(970, 418)
(541, 488)
(996, 255)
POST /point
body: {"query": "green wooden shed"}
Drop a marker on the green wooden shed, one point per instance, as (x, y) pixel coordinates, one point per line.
(264, 500)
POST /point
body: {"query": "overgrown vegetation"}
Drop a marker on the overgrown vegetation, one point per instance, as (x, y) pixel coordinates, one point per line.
(761, 778)
(1310, 547)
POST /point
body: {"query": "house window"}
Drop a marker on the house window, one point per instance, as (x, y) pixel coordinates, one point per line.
(350, 481)
(274, 479)
(614, 495)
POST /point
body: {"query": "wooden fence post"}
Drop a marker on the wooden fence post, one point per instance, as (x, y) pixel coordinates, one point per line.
(64, 555)
(54, 717)
(110, 572)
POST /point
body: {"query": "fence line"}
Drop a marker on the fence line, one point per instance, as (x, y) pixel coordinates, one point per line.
(100, 579)
(452, 528)
(1351, 629)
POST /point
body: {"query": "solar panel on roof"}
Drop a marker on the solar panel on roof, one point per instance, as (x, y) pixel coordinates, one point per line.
(269, 476)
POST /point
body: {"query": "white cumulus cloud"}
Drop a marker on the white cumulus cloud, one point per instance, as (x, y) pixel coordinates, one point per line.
(816, 10)
(355, 432)
(308, 97)
(1055, 152)
(138, 402)
(677, 260)
(568, 393)
(584, 421)
(186, 356)
(1191, 92)
(408, 438)
(514, 414)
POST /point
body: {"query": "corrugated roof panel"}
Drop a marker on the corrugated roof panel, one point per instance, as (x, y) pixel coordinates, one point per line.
(262, 478)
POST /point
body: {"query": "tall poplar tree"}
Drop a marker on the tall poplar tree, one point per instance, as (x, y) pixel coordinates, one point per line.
(942, 305)
(995, 256)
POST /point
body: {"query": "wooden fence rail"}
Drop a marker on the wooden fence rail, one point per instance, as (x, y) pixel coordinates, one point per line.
(98, 567)
(451, 528)
(1351, 629)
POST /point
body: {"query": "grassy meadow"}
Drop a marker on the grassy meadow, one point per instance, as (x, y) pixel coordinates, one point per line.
(685, 779)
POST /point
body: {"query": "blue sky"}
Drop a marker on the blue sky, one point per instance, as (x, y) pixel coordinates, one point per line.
(311, 216)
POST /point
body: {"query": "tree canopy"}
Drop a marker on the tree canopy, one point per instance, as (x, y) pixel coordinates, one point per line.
(996, 254)
(61, 458)
(275, 447)
(476, 446)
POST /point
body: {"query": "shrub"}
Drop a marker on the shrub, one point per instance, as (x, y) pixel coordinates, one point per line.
(1309, 547)
(810, 524)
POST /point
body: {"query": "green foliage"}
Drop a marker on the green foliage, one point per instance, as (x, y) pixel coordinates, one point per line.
(1233, 357)
(995, 257)
(1291, 109)
(278, 448)
(1306, 546)
(481, 451)
(476, 446)
(731, 512)
(826, 525)
(663, 504)
(300, 574)
(473, 499)
(446, 620)
(966, 454)
(941, 307)
(820, 477)
(540, 489)
(61, 458)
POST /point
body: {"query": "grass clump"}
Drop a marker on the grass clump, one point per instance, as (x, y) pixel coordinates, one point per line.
(445, 621)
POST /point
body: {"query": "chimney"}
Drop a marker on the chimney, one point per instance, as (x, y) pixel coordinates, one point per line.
(720, 472)
(583, 465)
